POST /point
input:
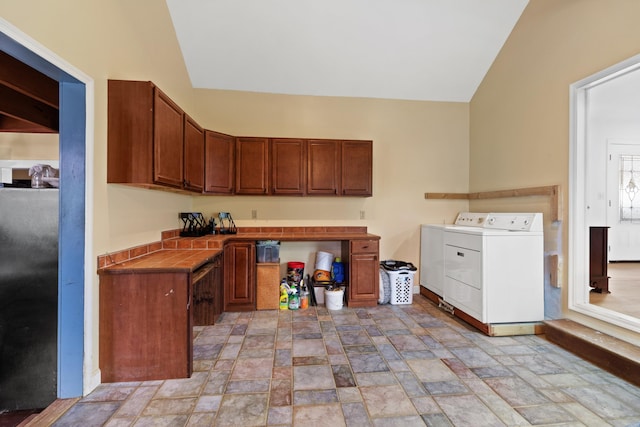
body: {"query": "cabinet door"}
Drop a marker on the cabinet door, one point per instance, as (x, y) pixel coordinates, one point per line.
(193, 155)
(219, 163)
(252, 163)
(363, 279)
(288, 164)
(364, 272)
(239, 277)
(130, 132)
(168, 137)
(323, 166)
(357, 168)
(145, 326)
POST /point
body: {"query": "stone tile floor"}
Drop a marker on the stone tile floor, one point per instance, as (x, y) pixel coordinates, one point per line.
(403, 365)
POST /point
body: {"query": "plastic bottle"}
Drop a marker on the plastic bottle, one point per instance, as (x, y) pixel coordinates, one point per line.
(337, 271)
(304, 298)
(284, 296)
(294, 299)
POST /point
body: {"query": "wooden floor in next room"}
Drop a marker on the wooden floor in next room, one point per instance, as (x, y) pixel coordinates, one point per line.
(624, 285)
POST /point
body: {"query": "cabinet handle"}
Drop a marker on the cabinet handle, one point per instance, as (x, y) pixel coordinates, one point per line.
(461, 254)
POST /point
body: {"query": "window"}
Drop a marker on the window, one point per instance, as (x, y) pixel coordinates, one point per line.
(629, 179)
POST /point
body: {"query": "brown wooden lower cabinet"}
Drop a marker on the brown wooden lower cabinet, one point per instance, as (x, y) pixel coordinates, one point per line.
(145, 326)
(240, 276)
(363, 271)
(147, 317)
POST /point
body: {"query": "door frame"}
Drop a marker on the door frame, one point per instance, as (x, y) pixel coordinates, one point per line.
(578, 247)
(75, 346)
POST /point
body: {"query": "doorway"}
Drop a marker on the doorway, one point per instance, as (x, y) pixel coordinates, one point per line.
(75, 96)
(604, 110)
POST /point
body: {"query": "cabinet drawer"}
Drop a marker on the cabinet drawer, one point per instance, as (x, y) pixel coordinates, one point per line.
(364, 246)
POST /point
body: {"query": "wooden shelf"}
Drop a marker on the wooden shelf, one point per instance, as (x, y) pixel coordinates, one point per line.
(28, 98)
(552, 191)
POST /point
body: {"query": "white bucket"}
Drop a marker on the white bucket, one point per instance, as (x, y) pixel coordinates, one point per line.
(334, 299)
(324, 261)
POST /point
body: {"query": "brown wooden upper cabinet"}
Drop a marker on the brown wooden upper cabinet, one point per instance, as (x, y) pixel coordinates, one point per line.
(153, 143)
(357, 168)
(323, 167)
(146, 132)
(288, 165)
(252, 166)
(219, 163)
(193, 155)
(342, 168)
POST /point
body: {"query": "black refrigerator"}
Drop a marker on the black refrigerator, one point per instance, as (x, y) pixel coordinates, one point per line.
(28, 297)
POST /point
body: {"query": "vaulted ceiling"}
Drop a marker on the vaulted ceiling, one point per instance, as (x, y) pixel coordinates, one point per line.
(436, 50)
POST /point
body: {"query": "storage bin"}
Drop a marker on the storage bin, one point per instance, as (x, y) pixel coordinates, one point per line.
(268, 251)
(397, 282)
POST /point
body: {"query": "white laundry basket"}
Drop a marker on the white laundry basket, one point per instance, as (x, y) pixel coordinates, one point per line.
(401, 284)
(400, 281)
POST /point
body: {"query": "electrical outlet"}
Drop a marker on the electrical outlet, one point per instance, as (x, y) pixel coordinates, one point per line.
(362, 215)
(254, 214)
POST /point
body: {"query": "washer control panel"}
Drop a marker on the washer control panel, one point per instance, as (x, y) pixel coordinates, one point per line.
(472, 219)
(501, 221)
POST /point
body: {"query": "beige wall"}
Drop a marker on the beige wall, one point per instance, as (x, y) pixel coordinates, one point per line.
(21, 146)
(519, 128)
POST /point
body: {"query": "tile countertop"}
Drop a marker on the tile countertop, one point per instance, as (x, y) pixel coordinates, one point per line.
(187, 254)
(164, 260)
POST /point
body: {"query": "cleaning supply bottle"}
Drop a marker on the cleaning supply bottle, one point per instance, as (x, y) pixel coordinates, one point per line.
(294, 299)
(284, 295)
(304, 297)
(337, 271)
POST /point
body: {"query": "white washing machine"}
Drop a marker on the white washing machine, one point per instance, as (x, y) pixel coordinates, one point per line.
(489, 266)
(432, 249)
